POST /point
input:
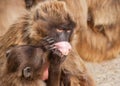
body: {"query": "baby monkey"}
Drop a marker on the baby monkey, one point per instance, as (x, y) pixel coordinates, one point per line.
(26, 66)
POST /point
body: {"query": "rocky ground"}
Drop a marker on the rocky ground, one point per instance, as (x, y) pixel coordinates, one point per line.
(106, 73)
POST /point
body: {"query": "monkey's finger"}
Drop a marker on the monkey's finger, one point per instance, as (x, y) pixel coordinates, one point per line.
(51, 41)
(51, 47)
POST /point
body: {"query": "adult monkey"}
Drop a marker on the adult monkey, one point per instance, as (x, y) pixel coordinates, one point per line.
(96, 37)
(103, 29)
(99, 29)
(31, 28)
(102, 36)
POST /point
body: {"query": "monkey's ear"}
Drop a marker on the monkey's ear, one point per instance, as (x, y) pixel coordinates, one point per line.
(8, 53)
(27, 73)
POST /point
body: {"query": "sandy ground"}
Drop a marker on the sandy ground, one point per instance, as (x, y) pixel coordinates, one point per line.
(106, 73)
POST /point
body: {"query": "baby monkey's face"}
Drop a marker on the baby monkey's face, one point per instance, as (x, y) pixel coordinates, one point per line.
(27, 62)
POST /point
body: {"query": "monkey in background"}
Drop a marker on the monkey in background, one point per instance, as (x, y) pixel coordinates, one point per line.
(100, 41)
(11, 10)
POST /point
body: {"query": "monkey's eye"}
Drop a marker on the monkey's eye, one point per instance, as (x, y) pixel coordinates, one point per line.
(68, 31)
(59, 30)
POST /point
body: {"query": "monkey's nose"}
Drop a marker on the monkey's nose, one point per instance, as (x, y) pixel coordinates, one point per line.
(64, 47)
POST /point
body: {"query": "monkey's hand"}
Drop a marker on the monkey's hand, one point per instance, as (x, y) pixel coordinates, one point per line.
(47, 43)
(56, 59)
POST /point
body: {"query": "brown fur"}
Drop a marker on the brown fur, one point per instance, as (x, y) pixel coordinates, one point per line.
(30, 29)
(17, 59)
(103, 25)
(74, 71)
(25, 66)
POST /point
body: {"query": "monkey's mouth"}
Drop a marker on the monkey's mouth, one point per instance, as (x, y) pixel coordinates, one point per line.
(64, 47)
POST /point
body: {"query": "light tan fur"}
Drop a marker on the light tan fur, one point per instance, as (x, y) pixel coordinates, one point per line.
(100, 41)
(10, 10)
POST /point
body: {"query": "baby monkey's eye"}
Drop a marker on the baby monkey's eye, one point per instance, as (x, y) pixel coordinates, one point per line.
(59, 30)
(62, 30)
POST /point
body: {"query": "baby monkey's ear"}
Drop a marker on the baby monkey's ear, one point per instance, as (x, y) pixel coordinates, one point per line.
(8, 51)
(27, 73)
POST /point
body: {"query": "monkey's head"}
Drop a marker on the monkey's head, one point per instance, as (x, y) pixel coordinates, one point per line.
(25, 62)
(51, 19)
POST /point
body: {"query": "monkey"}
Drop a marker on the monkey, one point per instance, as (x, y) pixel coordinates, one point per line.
(56, 60)
(96, 36)
(96, 51)
(24, 66)
(97, 28)
(69, 77)
(42, 22)
(100, 41)
(62, 29)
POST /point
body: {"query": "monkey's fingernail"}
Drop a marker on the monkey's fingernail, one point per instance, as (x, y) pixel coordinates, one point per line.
(52, 46)
(51, 41)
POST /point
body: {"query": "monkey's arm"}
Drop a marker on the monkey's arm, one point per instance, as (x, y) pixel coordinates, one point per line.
(56, 60)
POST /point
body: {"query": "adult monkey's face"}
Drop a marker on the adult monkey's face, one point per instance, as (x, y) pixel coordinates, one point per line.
(52, 21)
